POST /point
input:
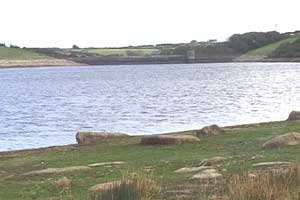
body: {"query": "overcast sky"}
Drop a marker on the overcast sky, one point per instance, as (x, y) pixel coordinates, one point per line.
(102, 23)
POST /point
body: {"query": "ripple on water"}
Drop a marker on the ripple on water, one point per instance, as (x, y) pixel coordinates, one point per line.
(46, 106)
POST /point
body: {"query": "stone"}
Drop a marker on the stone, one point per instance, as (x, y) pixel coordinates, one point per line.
(63, 182)
(209, 131)
(294, 115)
(192, 169)
(213, 175)
(212, 161)
(104, 186)
(270, 164)
(288, 139)
(256, 157)
(84, 138)
(168, 139)
(209, 171)
(51, 171)
(105, 164)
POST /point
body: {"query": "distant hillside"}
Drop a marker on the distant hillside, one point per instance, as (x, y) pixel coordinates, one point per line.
(7, 53)
(287, 50)
(17, 57)
(269, 46)
(266, 52)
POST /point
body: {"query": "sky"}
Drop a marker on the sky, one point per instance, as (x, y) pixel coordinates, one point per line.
(112, 23)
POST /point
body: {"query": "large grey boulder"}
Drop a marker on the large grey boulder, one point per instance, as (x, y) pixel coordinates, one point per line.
(168, 139)
(294, 115)
(288, 139)
(97, 137)
(209, 131)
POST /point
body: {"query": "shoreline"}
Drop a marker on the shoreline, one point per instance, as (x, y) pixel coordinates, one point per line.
(217, 157)
(4, 154)
(74, 64)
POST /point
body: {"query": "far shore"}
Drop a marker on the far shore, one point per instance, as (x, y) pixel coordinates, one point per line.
(64, 63)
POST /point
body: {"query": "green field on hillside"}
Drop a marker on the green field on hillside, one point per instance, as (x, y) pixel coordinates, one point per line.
(241, 145)
(268, 49)
(19, 54)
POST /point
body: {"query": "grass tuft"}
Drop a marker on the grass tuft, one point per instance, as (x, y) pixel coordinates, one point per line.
(133, 187)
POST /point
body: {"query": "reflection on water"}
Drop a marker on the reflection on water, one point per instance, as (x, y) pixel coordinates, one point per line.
(46, 106)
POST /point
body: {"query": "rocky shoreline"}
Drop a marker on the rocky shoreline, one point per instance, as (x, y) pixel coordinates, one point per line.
(92, 138)
(238, 157)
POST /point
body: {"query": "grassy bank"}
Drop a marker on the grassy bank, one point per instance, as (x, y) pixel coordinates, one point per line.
(17, 57)
(19, 54)
(264, 52)
(241, 145)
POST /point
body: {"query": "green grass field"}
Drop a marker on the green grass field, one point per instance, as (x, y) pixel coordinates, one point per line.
(238, 144)
(268, 49)
(121, 52)
(19, 54)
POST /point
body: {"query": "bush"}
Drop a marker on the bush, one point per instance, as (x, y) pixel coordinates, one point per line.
(124, 191)
(134, 187)
(268, 184)
(280, 184)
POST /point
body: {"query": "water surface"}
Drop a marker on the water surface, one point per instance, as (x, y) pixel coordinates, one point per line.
(46, 106)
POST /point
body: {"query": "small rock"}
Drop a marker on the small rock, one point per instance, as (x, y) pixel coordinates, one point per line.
(104, 186)
(105, 164)
(209, 131)
(288, 139)
(209, 171)
(192, 169)
(63, 182)
(97, 137)
(270, 164)
(294, 115)
(51, 171)
(257, 157)
(168, 139)
(212, 161)
(207, 176)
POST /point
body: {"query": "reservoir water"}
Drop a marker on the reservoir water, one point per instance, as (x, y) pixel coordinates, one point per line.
(46, 106)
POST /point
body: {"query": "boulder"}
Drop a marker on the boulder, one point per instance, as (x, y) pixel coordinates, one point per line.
(270, 164)
(209, 131)
(105, 164)
(168, 139)
(288, 139)
(208, 174)
(294, 115)
(54, 171)
(97, 137)
(212, 161)
(104, 186)
(192, 169)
